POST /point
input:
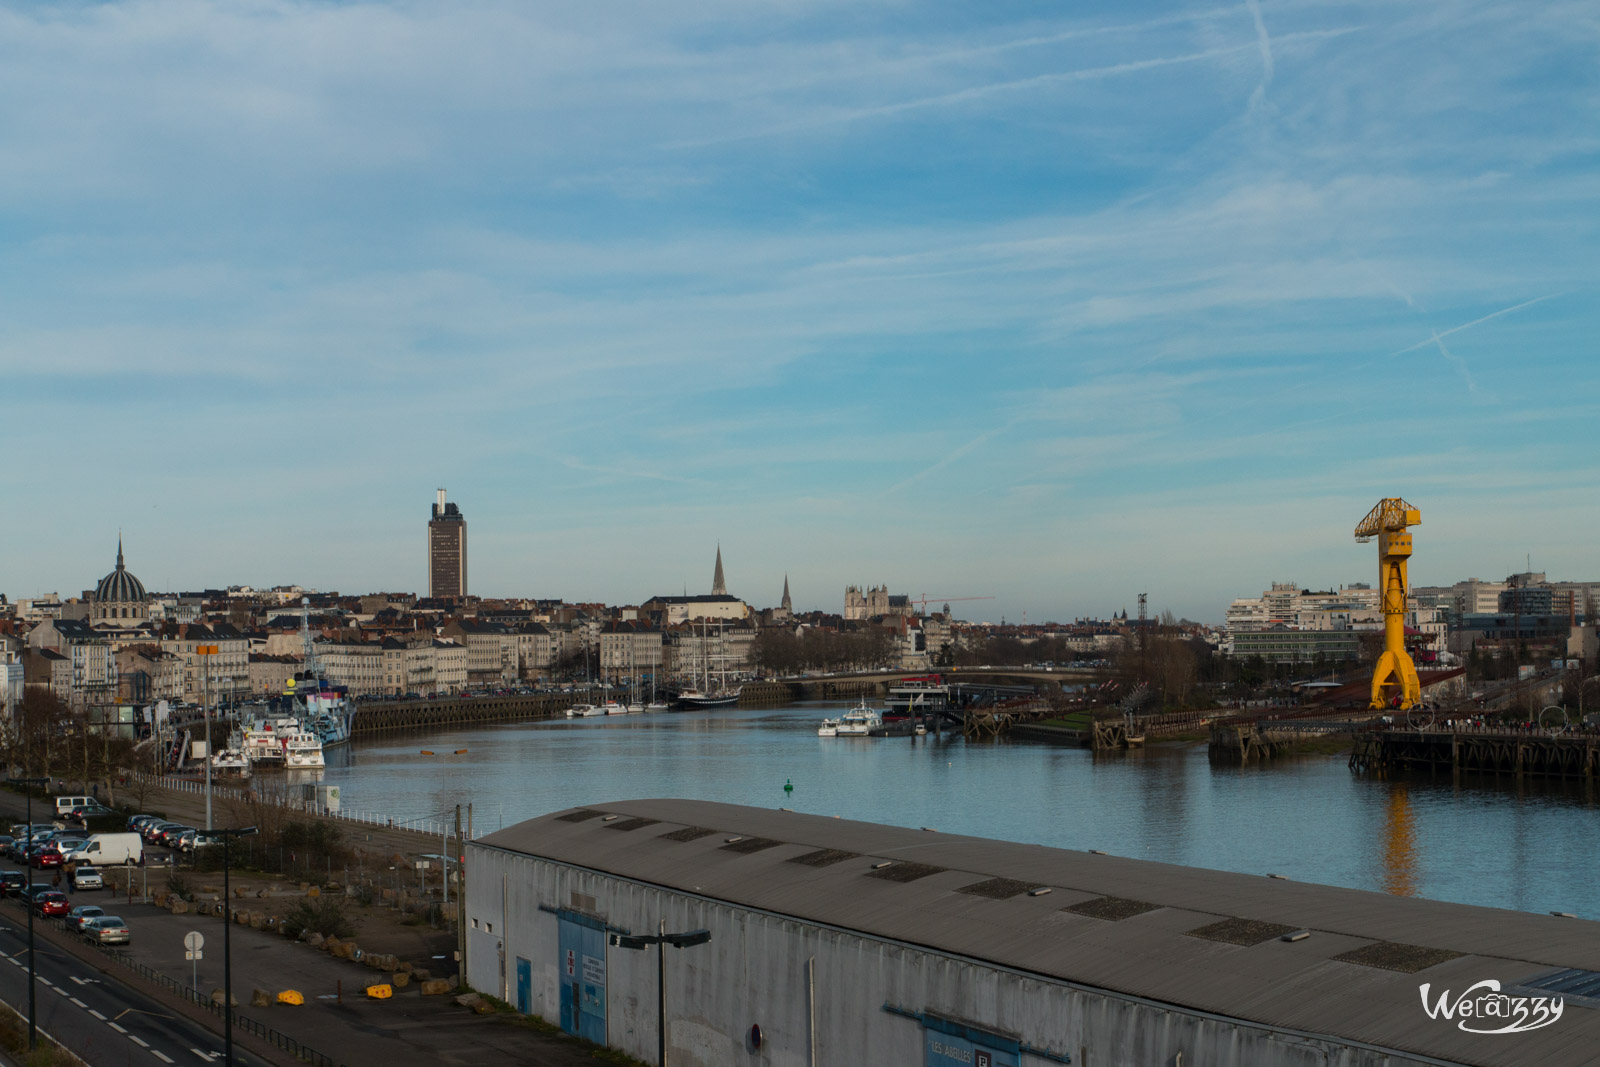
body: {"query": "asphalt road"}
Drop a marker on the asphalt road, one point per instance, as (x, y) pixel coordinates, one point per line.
(96, 1014)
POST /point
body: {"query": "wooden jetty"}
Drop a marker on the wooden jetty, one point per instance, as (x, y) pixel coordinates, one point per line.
(1566, 754)
(1243, 741)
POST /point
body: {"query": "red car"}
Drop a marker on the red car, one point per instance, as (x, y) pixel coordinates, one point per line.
(52, 903)
(47, 857)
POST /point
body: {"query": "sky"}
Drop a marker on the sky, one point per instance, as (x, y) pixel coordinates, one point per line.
(1051, 304)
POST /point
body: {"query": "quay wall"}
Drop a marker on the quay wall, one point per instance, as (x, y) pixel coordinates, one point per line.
(380, 716)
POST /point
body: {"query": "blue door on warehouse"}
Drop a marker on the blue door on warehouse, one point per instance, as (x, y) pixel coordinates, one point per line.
(582, 973)
(524, 986)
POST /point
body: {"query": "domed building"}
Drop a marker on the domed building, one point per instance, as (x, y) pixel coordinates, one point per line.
(119, 599)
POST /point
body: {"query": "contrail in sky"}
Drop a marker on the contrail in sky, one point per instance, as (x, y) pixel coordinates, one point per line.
(1477, 322)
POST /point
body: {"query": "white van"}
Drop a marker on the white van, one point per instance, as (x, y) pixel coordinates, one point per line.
(108, 850)
(67, 805)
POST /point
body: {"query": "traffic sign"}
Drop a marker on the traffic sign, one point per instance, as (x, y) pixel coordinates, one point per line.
(193, 942)
(193, 954)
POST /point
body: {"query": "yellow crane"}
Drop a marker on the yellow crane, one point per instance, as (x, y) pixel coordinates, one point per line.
(1394, 681)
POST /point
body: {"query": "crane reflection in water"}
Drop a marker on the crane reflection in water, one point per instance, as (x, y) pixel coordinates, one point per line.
(1399, 845)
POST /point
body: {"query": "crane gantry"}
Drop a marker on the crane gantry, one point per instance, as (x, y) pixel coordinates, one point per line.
(1394, 680)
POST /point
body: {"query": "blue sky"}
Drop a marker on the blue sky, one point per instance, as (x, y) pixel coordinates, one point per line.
(1050, 303)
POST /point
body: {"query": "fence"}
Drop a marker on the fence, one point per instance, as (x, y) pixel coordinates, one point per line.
(431, 825)
(300, 1051)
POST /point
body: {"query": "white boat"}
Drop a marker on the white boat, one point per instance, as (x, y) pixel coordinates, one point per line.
(859, 721)
(230, 760)
(611, 707)
(303, 751)
(829, 728)
(920, 730)
(584, 711)
(656, 705)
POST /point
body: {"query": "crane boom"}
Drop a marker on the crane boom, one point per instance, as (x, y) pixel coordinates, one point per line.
(1390, 513)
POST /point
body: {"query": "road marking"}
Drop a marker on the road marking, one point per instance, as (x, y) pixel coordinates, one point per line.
(63, 992)
(116, 1027)
(79, 1003)
(162, 1056)
(97, 1015)
(137, 1040)
(45, 981)
(207, 1056)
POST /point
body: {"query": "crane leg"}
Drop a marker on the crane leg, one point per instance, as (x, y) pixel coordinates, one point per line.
(1395, 676)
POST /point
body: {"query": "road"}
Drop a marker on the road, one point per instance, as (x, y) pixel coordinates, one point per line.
(96, 1014)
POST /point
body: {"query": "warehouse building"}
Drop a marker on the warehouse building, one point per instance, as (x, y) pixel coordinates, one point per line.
(804, 941)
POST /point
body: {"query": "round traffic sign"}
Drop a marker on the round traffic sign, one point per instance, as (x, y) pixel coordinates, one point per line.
(193, 941)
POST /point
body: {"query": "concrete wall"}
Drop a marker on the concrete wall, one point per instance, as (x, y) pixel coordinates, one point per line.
(754, 972)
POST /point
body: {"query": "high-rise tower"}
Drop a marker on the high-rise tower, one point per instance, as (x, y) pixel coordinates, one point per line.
(447, 551)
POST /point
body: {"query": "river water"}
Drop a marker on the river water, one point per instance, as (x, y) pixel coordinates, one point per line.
(1474, 842)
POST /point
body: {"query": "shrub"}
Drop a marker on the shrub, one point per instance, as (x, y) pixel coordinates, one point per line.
(322, 915)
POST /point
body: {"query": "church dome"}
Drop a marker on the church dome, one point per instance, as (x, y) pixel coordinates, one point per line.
(120, 586)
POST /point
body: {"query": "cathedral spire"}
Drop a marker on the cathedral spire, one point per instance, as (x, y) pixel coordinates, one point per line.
(785, 602)
(718, 586)
(119, 550)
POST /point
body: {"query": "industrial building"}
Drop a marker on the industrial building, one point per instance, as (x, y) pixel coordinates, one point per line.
(806, 941)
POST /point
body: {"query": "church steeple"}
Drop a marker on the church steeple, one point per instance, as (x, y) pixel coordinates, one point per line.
(785, 602)
(119, 550)
(719, 587)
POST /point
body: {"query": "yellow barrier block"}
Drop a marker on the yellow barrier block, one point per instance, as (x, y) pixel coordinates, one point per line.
(381, 991)
(291, 996)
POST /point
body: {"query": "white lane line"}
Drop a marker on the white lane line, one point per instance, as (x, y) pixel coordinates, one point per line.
(207, 1056)
(115, 1027)
(162, 1056)
(97, 1015)
(137, 1040)
(63, 992)
(79, 1003)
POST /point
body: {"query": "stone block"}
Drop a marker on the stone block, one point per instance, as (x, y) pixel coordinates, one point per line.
(468, 1000)
(312, 938)
(400, 979)
(330, 942)
(345, 950)
(260, 998)
(421, 974)
(434, 987)
(218, 998)
(180, 906)
(483, 1007)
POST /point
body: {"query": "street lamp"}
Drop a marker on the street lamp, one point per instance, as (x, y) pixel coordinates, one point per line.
(204, 651)
(660, 940)
(227, 937)
(33, 974)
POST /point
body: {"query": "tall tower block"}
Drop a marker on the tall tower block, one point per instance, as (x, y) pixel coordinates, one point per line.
(447, 551)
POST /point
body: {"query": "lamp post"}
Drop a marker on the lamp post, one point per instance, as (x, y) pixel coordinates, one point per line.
(33, 974)
(205, 651)
(661, 940)
(227, 938)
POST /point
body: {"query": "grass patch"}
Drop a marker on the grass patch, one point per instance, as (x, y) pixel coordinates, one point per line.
(543, 1026)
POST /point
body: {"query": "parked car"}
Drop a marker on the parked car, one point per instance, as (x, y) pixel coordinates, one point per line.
(86, 877)
(45, 857)
(12, 883)
(150, 830)
(51, 902)
(84, 814)
(169, 837)
(107, 930)
(77, 917)
(136, 822)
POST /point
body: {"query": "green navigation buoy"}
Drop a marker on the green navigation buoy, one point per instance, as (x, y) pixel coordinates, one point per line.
(788, 786)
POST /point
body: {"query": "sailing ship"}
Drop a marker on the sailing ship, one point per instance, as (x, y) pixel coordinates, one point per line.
(704, 696)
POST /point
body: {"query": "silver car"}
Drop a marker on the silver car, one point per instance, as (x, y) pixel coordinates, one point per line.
(107, 930)
(87, 877)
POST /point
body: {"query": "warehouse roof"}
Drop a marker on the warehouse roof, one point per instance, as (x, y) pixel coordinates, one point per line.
(1204, 940)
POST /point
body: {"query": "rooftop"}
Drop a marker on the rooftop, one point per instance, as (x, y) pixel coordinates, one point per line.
(1206, 940)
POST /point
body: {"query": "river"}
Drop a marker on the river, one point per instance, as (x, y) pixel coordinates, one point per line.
(1487, 842)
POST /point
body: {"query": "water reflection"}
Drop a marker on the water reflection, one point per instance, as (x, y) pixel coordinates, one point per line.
(1310, 818)
(1399, 845)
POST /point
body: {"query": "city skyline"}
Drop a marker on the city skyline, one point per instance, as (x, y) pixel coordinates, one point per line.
(988, 303)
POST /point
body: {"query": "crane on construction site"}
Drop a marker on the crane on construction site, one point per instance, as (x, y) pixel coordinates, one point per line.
(924, 599)
(1394, 680)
